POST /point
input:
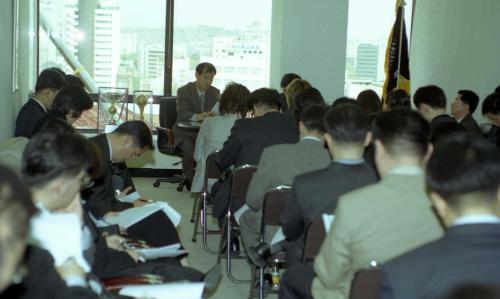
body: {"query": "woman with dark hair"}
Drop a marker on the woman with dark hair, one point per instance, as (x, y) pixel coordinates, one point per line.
(491, 109)
(215, 130)
(68, 106)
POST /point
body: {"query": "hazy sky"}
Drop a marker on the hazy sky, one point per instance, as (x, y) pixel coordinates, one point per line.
(221, 13)
(368, 19)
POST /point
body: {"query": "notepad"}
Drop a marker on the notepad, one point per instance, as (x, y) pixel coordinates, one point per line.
(239, 212)
(173, 250)
(278, 236)
(165, 291)
(130, 198)
(328, 221)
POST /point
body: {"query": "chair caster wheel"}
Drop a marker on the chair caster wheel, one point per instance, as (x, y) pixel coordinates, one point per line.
(180, 188)
(156, 184)
(193, 240)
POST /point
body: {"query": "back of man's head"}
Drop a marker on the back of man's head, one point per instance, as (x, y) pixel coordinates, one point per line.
(307, 97)
(347, 124)
(49, 156)
(287, 79)
(50, 79)
(491, 104)
(398, 98)
(74, 80)
(344, 100)
(431, 95)
(402, 132)
(312, 117)
(265, 97)
(464, 170)
(72, 99)
(470, 98)
(370, 101)
(139, 131)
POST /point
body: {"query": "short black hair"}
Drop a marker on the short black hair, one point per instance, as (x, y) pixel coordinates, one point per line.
(398, 98)
(233, 99)
(74, 80)
(370, 101)
(139, 130)
(402, 132)
(344, 100)
(51, 79)
(307, 97)
(431, 95)
(205, 67)
(491, 104)
(59, 70)
(16, 206)
(470, 98)
(265, 97)
(72, 99)
(312, 117)
(50, 155)
(288, 78)
(347, 123)
(497, 89)
(462, 164)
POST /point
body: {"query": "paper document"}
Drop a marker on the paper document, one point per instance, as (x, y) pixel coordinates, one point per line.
(328, 221)
(61, 235)
(165, 291)
(130, 198)
(131, 216)
(239, 212)
(278, 236)
(171, 213)
(173, 250)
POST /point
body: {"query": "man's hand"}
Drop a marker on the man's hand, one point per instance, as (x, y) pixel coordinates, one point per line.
(136, 256)
(141, 202)
(70, 268)
(111, 214)
(115, 242)
(125, 191)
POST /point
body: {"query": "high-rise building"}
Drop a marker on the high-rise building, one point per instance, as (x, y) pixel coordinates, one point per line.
(367, 63)
(106, 43)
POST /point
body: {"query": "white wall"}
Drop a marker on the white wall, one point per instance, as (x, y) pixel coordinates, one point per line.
(11, 102)
(309, 38)
(456, 45)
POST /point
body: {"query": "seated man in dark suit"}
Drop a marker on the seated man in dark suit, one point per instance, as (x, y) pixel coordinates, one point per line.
(463, 180)
(462, 109)
(317, 192)
(47, 86)
(430, 101)
(28, 271)
(250, 136)
(129, 140)
(195, 101)
(279, 164)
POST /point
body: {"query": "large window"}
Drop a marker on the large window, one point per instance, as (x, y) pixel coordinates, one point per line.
(369, 26)
(122, 43)
(234, 35)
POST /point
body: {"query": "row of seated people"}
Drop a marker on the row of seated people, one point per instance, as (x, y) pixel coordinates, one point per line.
(373, 223)
(78, 177)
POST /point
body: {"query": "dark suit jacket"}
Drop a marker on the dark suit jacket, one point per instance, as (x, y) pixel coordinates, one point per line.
(470, 124)
(466, 254)
(315, 193)
(101, 196)
(42, 281)
(51, 116)
(189, 104)
(28, 118)
(249, 137)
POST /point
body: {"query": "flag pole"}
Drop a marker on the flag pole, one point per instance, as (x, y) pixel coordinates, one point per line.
(403, 3)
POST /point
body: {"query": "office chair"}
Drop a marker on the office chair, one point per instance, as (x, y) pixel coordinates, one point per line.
(165, 141)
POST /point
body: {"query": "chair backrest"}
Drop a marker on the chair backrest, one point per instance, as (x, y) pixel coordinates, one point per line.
(274, 203)
(241, 177)
(211, 170)
(365, 284)
(165, 141)
(314, 238)
(168, 112)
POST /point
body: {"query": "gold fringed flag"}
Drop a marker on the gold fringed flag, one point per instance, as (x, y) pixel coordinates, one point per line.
(397, 64)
